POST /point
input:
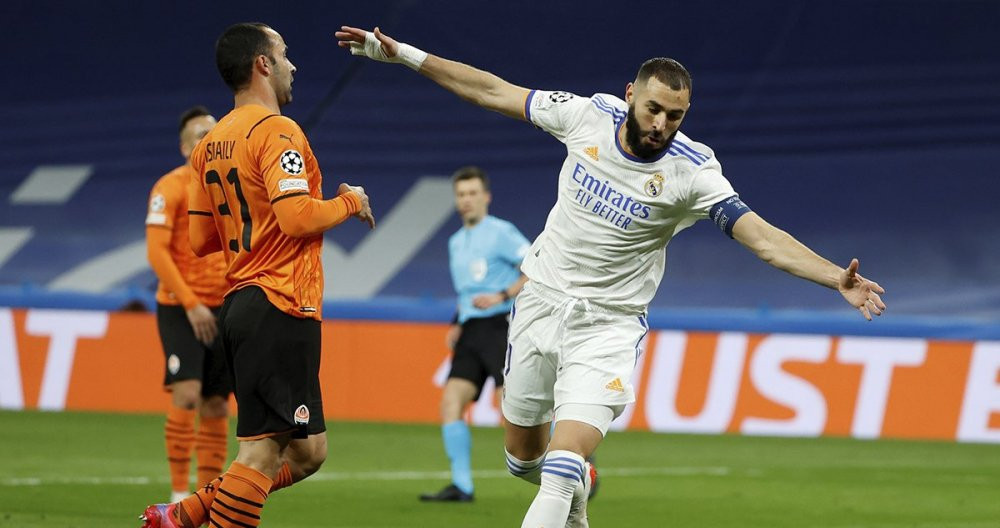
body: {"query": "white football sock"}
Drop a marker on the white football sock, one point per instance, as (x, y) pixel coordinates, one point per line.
(562, 472)
(528, 470)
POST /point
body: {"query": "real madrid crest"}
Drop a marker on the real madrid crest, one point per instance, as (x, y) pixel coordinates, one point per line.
(654, 185)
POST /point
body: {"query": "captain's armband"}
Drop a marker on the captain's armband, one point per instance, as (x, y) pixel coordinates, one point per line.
(727, 212)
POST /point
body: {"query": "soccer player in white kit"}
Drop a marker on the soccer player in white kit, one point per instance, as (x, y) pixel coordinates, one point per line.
(630, 182)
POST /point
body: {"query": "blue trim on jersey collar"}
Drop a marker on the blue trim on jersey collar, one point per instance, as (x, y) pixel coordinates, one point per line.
(630, 157)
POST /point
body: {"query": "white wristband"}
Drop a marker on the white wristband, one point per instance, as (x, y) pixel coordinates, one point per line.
(411, 56)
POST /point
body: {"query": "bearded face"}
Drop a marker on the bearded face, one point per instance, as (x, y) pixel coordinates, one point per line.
(646, 144)
(655, 113)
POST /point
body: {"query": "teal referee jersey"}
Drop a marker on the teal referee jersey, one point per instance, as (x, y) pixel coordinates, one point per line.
(485, 258)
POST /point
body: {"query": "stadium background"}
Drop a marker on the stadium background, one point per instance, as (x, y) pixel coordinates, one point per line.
(867, 129)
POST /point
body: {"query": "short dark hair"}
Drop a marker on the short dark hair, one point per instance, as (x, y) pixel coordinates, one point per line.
(667, 71)
(471, 172)
(236, 50)
(191, 113)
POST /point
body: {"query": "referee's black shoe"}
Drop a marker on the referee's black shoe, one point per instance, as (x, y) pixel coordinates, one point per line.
(449, 493)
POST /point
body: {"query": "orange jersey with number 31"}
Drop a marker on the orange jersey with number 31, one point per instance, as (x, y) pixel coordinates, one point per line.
(250, 160)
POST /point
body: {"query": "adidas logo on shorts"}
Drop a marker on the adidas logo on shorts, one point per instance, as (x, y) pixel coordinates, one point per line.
(615, 385)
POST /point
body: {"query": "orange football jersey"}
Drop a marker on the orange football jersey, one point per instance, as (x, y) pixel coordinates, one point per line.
(168, 208)
(250, 160)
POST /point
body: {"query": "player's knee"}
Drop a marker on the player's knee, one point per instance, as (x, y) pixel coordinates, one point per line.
(215, 407)
(525, 442)
(526, 452)
(263, 455)
(581, 427)
(186, 396)
(188, 404)
(316, 456)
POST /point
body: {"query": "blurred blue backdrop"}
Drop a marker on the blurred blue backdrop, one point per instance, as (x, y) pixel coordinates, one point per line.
(867, 129)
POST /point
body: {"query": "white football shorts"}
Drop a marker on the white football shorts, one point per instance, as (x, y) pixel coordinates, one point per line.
(564, 350)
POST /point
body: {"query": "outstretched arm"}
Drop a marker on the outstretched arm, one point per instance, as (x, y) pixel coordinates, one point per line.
(782, 251)
(476, 86)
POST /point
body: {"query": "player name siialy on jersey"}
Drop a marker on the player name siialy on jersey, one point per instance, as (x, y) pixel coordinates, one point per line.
(219, 150)
(605, 201)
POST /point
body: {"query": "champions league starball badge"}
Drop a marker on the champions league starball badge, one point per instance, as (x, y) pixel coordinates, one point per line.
(654, 185)
(291, 162)
(560, 97)
(157, 204)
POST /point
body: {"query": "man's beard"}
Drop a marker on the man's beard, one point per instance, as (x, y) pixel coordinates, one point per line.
(634, 141)
(285, 96)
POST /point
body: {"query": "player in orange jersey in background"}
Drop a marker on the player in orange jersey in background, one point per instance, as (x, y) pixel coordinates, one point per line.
(257, 197)
(187, 301)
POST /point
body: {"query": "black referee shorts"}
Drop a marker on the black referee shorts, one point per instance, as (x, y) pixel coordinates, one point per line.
(480, 350)
(275, 362)
(190, 359)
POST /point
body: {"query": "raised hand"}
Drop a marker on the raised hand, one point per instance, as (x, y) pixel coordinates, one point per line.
(365, 214)
(862, 293)
(374, 45)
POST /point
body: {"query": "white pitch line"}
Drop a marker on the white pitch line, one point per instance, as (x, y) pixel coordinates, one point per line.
(95, 481)
(499, 473)
(328, 476)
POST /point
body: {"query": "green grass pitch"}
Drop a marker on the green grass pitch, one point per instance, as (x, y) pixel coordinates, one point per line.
(76, 470)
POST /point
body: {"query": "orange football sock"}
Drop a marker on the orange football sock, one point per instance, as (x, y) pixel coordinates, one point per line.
(240, 498)
(210, 445)
(179, 434)
(283, 479)
(196, 506)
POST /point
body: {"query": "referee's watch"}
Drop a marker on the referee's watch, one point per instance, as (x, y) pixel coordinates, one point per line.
(503, 293)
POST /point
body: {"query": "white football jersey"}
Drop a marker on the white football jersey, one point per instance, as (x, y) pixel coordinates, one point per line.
(605, 239)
